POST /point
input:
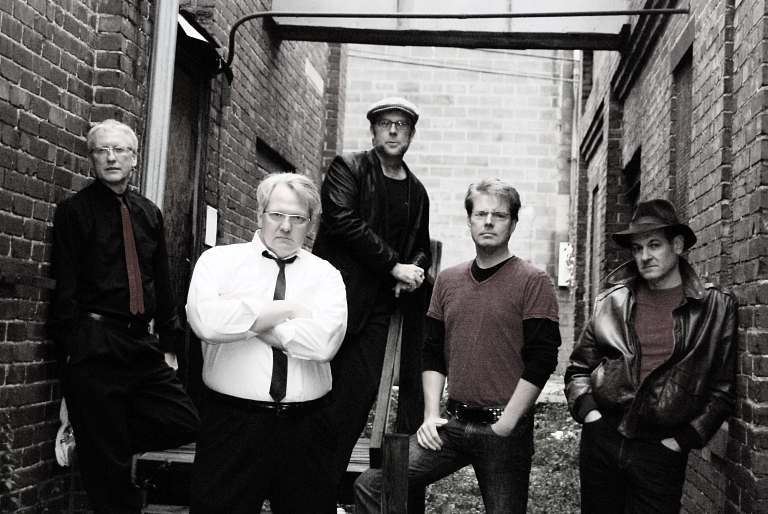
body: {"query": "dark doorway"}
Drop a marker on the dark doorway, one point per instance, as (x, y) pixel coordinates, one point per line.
(182, 223)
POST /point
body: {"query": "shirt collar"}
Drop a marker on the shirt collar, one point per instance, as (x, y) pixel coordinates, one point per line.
(261, 248)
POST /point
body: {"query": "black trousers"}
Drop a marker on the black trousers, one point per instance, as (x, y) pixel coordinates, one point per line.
(244, 457)
(356, 370)
(119, 406)
(628, 476)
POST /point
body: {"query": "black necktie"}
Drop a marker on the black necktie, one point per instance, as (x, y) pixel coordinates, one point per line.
(279, 360)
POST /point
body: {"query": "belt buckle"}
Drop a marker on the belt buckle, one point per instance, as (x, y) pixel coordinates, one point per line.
(134, 327)
(460, 412)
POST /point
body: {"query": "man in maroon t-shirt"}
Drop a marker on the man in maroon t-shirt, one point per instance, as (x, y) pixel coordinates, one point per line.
(654, 372)
(492, 332)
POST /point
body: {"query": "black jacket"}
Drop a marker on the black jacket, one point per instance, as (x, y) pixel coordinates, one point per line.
(689, 395)
(353, 230)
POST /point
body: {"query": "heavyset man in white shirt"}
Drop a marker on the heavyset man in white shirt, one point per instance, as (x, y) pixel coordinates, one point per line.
(252, 447)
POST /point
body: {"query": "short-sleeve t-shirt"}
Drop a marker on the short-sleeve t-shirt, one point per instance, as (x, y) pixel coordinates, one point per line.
(484, 327)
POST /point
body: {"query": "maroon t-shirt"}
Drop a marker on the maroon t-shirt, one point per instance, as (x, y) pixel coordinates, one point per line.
(654, 325)
(484, 327)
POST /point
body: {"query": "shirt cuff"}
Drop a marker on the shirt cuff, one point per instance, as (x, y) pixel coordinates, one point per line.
(285, 332)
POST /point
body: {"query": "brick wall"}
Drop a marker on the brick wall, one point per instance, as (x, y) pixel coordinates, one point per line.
(273, 100)
(61, 66)
(745, 241)
(66, 64)
(725, 201)
(506, 124)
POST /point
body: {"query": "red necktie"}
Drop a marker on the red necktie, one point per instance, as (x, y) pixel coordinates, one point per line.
(279, 382)
(132, 260)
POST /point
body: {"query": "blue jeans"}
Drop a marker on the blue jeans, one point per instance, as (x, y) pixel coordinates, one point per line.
(502, 465)
(628, 476)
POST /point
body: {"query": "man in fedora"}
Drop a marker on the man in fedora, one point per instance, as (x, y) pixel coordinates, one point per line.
(374, 229)
(654, 372)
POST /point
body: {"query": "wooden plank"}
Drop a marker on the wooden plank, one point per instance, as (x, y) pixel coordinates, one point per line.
(182, 455)
(385, 387)
(394, 492)
(459, 39)
(358, 463)
(165, 509)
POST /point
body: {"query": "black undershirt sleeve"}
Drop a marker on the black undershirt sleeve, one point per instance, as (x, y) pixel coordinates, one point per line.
(541, 341)
(433, 354)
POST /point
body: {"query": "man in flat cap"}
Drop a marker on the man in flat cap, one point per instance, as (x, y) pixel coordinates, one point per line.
(375, 229)
(654, 372)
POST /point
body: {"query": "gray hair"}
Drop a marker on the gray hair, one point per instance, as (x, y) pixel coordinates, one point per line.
(112, 125)
(303, 186)
(493, 187)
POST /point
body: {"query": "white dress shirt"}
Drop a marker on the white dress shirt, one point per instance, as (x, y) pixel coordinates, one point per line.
(230, 286)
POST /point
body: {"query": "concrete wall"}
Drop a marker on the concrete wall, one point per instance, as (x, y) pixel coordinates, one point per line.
(497, 114)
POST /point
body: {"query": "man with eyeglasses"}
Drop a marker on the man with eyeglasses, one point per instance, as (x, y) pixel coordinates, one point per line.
(112, 279)
(375, 229)
(270, 316)
(492, 332)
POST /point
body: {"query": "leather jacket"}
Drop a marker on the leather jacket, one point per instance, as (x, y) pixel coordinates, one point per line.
(689, 395)
(353, 230)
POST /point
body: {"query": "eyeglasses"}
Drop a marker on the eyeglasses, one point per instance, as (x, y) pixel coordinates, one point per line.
(495, 216)
(400, 125)
(117, 151)
(293, 219)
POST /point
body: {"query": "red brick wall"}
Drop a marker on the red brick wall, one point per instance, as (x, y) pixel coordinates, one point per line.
(746, 234)
(726, 201)
(66, 64)
(60, 68)
(272, 100)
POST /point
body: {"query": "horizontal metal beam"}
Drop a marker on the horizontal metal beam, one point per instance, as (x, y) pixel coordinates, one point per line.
(379, 39)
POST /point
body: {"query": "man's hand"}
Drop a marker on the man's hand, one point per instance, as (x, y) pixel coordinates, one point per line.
(592, 415)
(402, 286)
(270, 337)
(427, 436)
(408, 273)
(299, 311)
(170, 359)
(671, 443)
(501, 431)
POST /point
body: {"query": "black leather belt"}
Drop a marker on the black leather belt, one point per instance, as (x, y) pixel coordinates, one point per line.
(132, 328)
(274, 408)
(463, 412)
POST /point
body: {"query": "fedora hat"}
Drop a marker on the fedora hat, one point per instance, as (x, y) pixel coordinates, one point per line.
(652, 215)
(396, 103)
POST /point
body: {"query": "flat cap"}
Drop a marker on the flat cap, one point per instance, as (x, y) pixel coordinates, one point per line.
(393, 102)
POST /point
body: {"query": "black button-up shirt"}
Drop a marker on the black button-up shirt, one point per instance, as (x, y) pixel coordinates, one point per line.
(89, 263)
